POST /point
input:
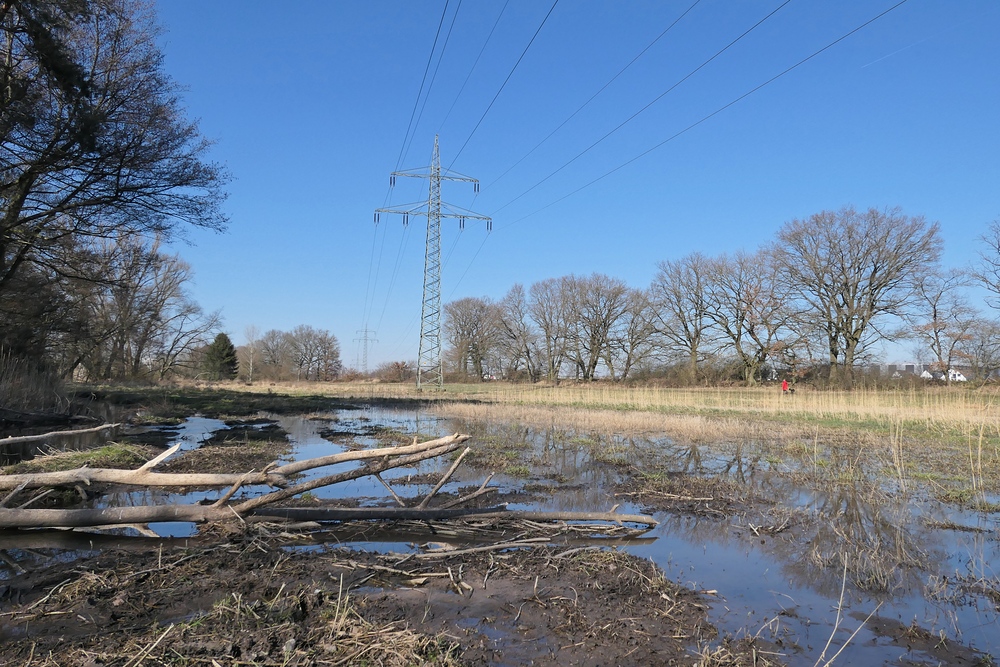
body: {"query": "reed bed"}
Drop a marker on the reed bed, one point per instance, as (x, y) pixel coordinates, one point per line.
(683, 427)
(954, 412)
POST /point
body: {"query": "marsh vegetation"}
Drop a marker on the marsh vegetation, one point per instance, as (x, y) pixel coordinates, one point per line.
(786, 525)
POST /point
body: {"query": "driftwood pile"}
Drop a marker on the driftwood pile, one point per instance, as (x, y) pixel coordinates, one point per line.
(262, 507)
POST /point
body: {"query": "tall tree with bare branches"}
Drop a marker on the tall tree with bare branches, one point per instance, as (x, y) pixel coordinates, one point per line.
(93, 137)
(853, 268)
(680, 308)
(749, 306)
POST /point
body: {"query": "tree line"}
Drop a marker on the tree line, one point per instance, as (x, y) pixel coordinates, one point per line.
(98, 167)
(814, 301)
(302, 354)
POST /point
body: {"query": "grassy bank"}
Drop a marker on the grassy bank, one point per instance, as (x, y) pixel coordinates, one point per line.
(948, 435)
(932, 412)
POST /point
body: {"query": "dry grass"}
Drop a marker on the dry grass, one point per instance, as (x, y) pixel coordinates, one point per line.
(934, 409)
(24, 387)
(683, 427)
(940, 434)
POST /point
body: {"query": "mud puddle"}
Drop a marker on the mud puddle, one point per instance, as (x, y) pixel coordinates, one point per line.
(776, 544)
(783, 555)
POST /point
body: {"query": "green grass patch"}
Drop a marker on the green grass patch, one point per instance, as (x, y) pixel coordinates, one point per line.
(112, 455)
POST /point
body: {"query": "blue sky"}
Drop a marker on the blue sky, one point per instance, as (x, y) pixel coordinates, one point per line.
(309, 104)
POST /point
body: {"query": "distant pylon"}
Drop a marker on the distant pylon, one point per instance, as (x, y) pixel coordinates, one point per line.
(364, 340)
(429, 368)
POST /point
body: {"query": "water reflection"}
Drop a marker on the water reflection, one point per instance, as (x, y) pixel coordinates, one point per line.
(778, 570)
(12, 452)
(820, 512)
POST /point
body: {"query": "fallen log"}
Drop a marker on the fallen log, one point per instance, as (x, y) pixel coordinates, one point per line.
(145, 476)
(376, 461)
(53, 518)
(75, 518)
(22, 439)
(497, 512)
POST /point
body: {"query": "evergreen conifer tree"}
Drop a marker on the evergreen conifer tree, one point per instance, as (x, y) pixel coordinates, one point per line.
(220, 359)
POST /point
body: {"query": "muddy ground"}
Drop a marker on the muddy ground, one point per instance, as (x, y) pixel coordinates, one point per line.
(263, 594)
(250, 601)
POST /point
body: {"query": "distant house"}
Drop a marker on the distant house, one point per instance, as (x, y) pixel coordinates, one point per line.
(955, 376)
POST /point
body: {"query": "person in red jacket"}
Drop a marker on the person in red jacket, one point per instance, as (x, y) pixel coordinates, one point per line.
(784, 386)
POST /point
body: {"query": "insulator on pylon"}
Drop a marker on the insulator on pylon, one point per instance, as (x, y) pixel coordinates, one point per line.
(376, 217)
(475, 187)
(489, 225)
(406, 218)
(392, 181)
(461, 222)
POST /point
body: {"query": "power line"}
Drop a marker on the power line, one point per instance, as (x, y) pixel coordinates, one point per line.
(395, 271)
(430, 86)
(399, 160)
(471, 262)
(368, 284)
(648, 105)
(714, 113)
(594, 96)
(510, 74)
(473, 68)
(427, 67)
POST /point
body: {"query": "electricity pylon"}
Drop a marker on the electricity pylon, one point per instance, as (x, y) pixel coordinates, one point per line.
(364, 340)
(429, 368)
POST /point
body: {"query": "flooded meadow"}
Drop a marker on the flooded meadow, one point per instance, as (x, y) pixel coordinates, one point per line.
(808, 552)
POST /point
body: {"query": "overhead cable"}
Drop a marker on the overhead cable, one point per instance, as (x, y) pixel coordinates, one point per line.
(716, 112)
(651, 103)
(430, 86)
(510, 74)
(473, 68)
(594, 96)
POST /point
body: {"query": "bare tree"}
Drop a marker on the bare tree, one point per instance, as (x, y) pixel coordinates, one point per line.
(942, 318)
(597, 302)
(749, 306)
(851, 269)
(517, 338)
(981, 349)
(549, 309)
(133, 297)
(681, 310)
(186, 328)
(275, 354)
(249, 352)
(631, 340)
(471, 328)
(988, 270)
(314, 353)
(93, 139)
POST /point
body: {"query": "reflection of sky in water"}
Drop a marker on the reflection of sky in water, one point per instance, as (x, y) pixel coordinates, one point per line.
(769, 584)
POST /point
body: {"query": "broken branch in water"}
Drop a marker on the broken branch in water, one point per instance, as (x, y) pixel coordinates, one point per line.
(144, 476)
(376, 461)
(42, 437)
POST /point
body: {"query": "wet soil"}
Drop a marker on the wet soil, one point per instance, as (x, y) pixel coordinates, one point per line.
(249, 601)
(244, 446)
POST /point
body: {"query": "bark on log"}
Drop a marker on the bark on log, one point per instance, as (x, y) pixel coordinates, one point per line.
(74, 518)
(22, 439)
(144, 476)
(496, 512)
(88, 476)
(28, 518)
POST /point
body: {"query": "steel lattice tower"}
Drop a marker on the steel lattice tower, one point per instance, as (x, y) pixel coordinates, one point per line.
(364, 340)
(429, 368)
